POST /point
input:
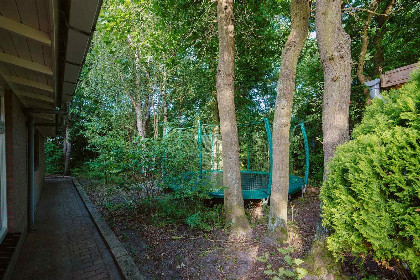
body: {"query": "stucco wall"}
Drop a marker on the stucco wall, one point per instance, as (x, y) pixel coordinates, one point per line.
(16, 163)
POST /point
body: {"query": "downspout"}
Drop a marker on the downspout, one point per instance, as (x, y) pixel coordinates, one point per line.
(374, 88)
(31, 172)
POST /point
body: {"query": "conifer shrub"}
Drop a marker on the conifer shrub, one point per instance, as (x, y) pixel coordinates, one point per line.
(371, 198)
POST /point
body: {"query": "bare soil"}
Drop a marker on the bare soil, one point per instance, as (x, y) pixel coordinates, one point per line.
(179, 252)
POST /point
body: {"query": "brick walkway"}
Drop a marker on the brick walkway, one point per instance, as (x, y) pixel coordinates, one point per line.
(66, 243)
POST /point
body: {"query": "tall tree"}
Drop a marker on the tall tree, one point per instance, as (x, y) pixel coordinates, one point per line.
(378, 57)
(67, 145)
(234, 203)
(335, 54)
(363, 50)
(334, 49)
(299, 11)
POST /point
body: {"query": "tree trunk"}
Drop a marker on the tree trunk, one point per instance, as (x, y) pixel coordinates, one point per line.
(234, 203)
(363, 50)
(378, 55)
(141, 123)
(67, 158)
(164, 104)
(277, 222)
(334, 49)
(67, 147)
(155, 119)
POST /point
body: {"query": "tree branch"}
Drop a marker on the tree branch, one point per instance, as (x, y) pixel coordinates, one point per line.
(363, 10)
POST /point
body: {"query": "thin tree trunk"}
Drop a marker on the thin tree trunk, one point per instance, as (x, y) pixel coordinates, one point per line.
(363, 50)
(67, 146)
(140, 122)
(155, 119)
(67, 158)
(378, 55)
(165, 116)
(234, 203)
(164, 104)
(277, 222)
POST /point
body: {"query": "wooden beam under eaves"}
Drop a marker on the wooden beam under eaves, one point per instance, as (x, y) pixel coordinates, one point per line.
(46, 111)
(29, 83)
(24, 30)
(24, 63)
(34, 96)
(45, 124)
(44, 117)
(36, 104)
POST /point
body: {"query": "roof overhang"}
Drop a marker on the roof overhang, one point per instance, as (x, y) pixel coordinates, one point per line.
(397, 76)
(43, 45)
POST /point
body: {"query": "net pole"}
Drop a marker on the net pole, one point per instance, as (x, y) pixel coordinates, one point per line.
(270, 151)
(200, 153)
(247, 151)
(305, 141)
(165, 137)
(211, 148)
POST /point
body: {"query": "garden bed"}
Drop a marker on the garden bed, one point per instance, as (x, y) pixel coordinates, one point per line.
(176, 251)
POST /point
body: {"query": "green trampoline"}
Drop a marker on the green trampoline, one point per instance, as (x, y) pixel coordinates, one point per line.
(255, 157)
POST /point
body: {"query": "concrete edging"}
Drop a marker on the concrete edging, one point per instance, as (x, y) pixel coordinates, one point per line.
(123, 259)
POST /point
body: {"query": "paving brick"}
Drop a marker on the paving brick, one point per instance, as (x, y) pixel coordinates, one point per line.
(98, 277)
(66, 244)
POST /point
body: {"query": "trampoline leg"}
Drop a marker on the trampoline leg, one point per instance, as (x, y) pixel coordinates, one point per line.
(266, 200)
(303, 191)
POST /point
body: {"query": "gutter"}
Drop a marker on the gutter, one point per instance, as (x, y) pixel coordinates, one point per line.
(60, 20)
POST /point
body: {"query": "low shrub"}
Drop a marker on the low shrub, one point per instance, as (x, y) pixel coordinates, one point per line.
(372, 195)
(168, 210)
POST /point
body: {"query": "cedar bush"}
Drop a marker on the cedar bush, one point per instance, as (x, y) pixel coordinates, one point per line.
(373, 186)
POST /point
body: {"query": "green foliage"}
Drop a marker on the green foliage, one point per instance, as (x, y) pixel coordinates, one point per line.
(175, 209)
(54, 162)
(307, 107)
(373, 185)
(157, 162)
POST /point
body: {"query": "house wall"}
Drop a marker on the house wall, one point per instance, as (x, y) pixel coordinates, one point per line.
(17, 164)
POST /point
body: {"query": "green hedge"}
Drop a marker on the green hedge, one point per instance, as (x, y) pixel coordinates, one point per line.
(373, 186)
